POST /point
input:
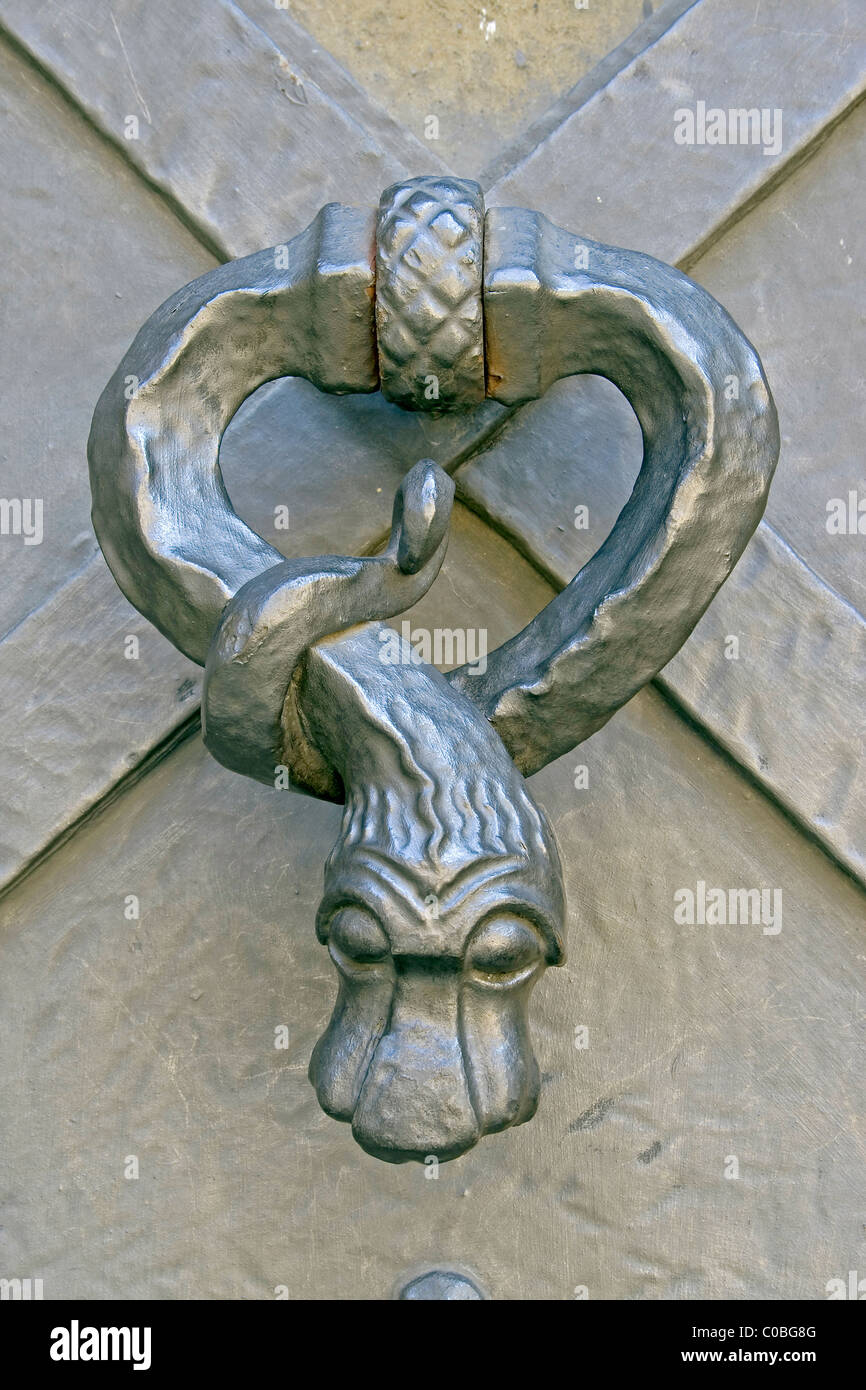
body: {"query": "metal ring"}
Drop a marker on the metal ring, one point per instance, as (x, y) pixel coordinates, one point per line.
(553, 305)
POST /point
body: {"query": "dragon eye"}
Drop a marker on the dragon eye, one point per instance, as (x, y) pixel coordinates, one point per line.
(505, 945)
(357, 935)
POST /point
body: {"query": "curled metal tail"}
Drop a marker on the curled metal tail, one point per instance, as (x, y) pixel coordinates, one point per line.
(251, 722)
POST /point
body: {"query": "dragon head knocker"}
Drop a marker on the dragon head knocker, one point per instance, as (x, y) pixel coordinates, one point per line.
(443, 899)
(443, 905)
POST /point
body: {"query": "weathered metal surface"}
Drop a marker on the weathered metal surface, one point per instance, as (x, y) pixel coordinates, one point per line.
(660, 1226)
(57, 178)
(639, 43)
(313, 61)
(618, 152)
(246, 94)
(142, 688)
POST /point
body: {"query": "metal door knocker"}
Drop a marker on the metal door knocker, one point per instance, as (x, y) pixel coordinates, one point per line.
(443, 901)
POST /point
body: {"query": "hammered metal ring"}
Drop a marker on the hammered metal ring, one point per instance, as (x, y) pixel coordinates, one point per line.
(391, 299)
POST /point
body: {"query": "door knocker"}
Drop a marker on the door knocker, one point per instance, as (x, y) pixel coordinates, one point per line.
(443, 900)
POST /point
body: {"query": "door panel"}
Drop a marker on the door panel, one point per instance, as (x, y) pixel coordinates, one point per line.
(701, 1130)
(155, 1038)
(803, 303)
(76, 286)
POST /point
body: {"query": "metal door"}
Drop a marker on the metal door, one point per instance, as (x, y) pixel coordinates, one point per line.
(701, 1127)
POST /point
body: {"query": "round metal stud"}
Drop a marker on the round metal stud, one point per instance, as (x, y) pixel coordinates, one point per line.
(442, 1286)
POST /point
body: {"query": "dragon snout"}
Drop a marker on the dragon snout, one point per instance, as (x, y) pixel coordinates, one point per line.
(421, 1061)
(392, 1062)
(415, 1107)
(415, 1101)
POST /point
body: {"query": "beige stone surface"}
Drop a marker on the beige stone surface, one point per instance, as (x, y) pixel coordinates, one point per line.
(484, 71)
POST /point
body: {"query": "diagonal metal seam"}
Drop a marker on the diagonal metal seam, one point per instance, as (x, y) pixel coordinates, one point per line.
(180, 734)
(771, 184)
(483, 438)
(712, 731)
(73, 101)
(786, 808)
(205, 235)
(681, 63)
(343, 90)
(637, 43)
(347, 91)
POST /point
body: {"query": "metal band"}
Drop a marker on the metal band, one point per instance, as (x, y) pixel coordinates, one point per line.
(429, 320)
